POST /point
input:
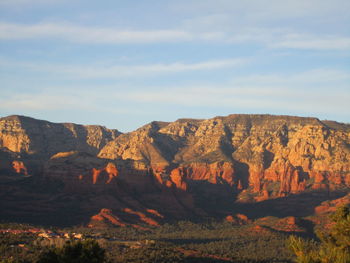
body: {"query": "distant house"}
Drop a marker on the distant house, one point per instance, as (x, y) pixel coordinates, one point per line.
(77, 236)
(48, 235)
(44, 235)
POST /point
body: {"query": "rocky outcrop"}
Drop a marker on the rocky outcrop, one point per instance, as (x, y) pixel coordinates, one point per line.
(142, 217)
(332, 205)
(80, 169)
(184, 168)
(19, 167)
(286, 224)
(322, 217)
(26, 135)
(239, 219)
(131, 218)
(104, 217)
(245, 151)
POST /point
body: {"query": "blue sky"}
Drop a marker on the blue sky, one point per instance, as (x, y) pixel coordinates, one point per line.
(123, 64)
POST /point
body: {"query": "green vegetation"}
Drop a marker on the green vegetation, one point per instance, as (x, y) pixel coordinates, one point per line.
(183, 241)
(180, 242)
(273, 187)
(334, 246)
(247, 196)
(18, 248)
(88, 251)
(154, 253)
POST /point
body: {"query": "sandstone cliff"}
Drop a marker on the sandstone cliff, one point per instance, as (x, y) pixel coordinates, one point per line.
(27, 135)
(182, 169)
(268, 155)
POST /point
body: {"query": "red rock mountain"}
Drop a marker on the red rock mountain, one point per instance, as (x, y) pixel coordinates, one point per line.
(183, 169)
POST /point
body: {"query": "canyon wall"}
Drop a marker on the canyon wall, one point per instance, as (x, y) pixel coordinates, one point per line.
(184, 168)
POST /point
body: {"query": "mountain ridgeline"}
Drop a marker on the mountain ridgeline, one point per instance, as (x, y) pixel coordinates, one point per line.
(167, 170)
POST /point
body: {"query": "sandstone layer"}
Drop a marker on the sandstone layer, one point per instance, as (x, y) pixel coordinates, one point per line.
(266, 155)
(183, 169)
(22, 134)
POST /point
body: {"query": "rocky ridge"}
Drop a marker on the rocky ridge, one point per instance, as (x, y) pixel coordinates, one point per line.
(245, 151)
(22, 134)
(186, 168)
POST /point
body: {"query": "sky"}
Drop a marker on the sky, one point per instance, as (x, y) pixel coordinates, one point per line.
(123, 64)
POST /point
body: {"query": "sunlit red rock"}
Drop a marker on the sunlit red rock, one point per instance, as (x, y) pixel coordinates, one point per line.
(142, 217)
(154, 212)
(181, 168)
(239, 219)
(178, 178)
(106, 215)
(286, 224)
(110, 169)
(19, 167)
(331, 206)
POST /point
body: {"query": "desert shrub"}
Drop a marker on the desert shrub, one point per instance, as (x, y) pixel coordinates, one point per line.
(87, 251)
(334, 245)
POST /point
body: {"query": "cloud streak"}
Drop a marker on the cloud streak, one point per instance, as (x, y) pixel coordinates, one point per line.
(246, 99)
(117, 71)
(299, 93)
(313, 42)
(27, 2)
(91, 35)
(314, 92)
(271, 37)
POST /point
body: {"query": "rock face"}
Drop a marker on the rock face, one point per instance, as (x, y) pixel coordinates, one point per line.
(331, 206)
(183, 168)
(286, 224)
(269, 155)
(26, 135)
(134, 218)
(239, 219)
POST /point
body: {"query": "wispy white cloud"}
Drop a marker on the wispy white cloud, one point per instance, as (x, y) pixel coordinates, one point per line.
(271, 37)
(92, 35)
(36, 35)
(263, 11)
(296, 41)
(305, 78)
(312, 24)
(315, 91)
(287, 39)
(318, 92)
(117, 71)
(246, 99)
(26, 2)
(37, 101)
(63, 98)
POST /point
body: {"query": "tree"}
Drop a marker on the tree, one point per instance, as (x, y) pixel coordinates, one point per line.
(87, 251)
(334, 246)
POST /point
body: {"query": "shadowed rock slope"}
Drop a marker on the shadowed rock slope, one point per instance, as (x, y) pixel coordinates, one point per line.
(265, 154)
(27, 135)
(183, 169)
